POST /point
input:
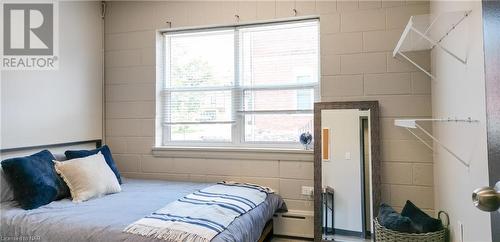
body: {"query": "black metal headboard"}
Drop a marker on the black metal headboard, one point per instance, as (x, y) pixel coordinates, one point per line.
(98, 143)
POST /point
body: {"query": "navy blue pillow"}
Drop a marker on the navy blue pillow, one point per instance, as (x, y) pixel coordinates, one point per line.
(424, 223)
(391, 219)
(34, 179)
(73, 154)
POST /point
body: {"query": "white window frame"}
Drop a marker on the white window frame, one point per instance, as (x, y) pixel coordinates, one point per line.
(238, 127)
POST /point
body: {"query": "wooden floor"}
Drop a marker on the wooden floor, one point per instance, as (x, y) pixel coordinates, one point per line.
(336, 238)
(278, 239)
(347, 239)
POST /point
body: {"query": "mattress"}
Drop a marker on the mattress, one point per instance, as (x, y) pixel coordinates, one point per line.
(103, 219)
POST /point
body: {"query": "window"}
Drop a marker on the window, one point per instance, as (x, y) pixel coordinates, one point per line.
(249, 85)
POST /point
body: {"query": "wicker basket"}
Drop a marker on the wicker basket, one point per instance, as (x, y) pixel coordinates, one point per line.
(383, 234)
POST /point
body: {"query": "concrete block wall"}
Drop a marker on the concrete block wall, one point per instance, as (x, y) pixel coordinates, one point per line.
(357, 38)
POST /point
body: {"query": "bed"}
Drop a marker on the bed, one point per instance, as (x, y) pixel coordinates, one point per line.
(103, 219)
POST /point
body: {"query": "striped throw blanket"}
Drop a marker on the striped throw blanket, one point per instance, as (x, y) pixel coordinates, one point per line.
(202, 215)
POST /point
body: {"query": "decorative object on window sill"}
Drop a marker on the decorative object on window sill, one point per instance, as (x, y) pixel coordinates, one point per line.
(416, 36)
(306, 140)
(412, 124)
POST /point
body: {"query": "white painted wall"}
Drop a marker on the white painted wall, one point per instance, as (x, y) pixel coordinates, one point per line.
(344, 175)
(44, 107)
(459, 91)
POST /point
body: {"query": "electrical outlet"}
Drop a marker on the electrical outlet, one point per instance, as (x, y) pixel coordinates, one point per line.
(460, 231)
(307, 191)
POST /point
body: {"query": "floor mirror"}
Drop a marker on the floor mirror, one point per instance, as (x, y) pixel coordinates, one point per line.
(346, 169)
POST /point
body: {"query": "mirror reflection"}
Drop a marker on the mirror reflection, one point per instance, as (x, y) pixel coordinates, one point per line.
(346, 202)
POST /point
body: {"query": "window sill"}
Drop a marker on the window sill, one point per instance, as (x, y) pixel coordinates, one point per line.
(234, 153)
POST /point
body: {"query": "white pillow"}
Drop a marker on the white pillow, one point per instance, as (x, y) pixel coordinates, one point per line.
(88, 177)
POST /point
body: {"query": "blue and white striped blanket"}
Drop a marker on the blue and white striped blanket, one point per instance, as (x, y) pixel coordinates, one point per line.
(202, 215)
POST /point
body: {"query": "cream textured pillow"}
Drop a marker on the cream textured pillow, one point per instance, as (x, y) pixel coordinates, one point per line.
(88, 177)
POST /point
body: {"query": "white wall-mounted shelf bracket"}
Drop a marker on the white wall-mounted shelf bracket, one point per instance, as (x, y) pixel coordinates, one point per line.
(411, 124)
(416, 36)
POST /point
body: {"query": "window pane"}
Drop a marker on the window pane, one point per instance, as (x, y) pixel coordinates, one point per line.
(201, 132)
(197, 62)
(278, 100)
(276, 127)
(199, 106)
(201, 59)
(279, 54)
(274, 56)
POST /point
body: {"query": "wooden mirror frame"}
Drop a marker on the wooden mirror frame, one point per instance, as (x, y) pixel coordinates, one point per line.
(373, 107)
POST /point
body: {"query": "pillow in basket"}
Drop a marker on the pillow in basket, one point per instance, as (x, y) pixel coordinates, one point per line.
(392, 220)
(423, 222)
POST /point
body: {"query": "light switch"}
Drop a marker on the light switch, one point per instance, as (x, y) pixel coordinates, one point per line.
(347, 155)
